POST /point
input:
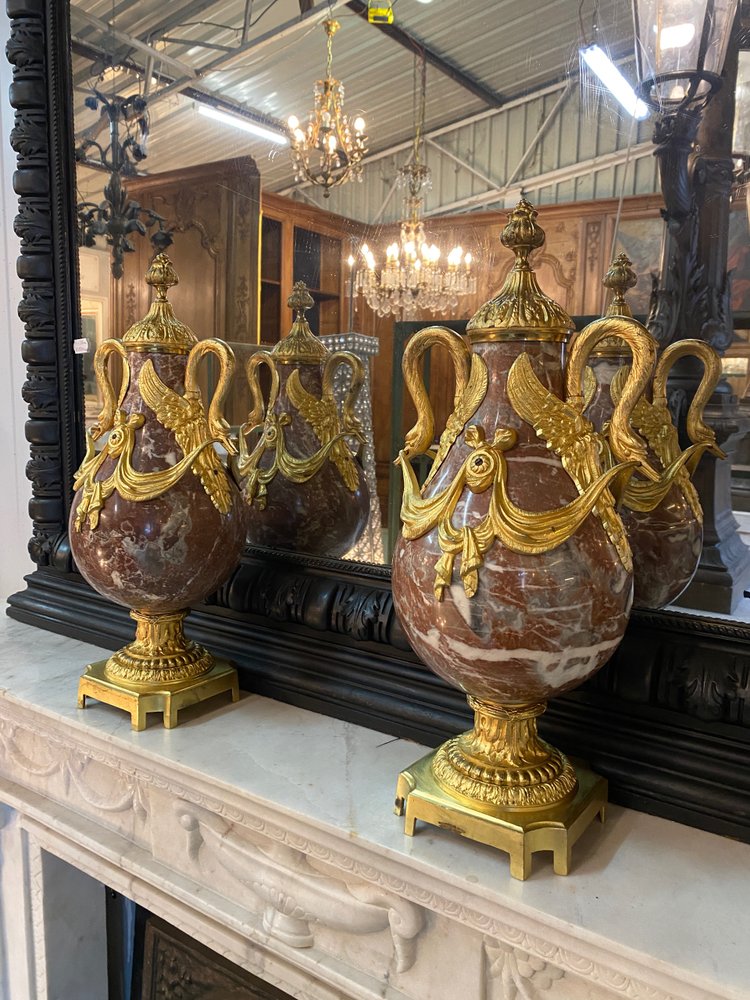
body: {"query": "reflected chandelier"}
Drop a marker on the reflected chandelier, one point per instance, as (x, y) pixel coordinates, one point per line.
(329, 151)
(412, 280)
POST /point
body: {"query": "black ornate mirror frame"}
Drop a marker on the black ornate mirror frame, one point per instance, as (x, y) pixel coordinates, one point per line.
(668, 720)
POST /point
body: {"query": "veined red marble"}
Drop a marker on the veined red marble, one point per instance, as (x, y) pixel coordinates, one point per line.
(163, 554)
(538, 625)
(321, 516)
(667, 541)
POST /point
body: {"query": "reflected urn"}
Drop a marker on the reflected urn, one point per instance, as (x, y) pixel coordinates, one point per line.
(513, 573)
(298, 466)
(662, 514)
(157, 522)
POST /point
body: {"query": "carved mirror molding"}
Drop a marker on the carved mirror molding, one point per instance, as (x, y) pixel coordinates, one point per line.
(668, 720)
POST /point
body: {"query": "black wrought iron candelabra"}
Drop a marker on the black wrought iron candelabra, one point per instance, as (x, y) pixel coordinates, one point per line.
(118, 217)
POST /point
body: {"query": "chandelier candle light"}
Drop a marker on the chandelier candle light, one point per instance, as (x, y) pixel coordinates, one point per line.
(411, 280)
(330, 138)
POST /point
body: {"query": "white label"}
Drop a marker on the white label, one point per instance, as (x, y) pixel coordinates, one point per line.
(81, 346)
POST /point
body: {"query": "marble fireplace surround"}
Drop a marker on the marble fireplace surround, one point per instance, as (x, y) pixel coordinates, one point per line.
(266, 832)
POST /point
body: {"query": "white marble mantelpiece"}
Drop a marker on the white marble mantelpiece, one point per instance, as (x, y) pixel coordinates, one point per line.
(267, 833)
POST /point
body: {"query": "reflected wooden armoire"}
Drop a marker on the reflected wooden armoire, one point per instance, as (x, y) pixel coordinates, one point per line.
(213, 212)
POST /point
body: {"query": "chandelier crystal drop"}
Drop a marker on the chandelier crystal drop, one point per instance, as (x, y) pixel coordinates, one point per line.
(412, 279)
(329, 151)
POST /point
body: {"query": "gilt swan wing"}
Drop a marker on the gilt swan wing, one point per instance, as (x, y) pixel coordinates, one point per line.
(573, 439)
(564, 429)
(323, 416)
(188, 424)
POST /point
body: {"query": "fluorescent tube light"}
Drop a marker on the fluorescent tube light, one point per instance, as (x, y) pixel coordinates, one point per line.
(244, 123)
(599, 63)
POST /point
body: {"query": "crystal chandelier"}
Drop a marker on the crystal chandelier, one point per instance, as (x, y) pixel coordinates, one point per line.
(412, 280)
(329, 151)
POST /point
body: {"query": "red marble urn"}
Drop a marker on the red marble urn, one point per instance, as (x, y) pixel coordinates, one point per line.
(298, 469)
(157, 522)
(513, 573)
(662, 516)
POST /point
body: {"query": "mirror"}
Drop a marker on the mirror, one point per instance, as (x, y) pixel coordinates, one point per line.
(502, 107)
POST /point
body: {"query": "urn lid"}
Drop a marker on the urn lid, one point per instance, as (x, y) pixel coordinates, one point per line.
(300, 346)
(521, 310)
(160, 330)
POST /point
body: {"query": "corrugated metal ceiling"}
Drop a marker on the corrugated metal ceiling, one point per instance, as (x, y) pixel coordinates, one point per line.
(511, 47)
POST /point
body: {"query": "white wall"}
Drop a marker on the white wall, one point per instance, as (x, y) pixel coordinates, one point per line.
(15, 489)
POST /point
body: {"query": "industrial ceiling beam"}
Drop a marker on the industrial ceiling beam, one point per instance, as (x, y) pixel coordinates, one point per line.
(200, 94)
(254, 46)
(448, 128)
(461, 163)
(558, 176)
(444, 66)
(123, 38)
(175, 16)
(537, 138)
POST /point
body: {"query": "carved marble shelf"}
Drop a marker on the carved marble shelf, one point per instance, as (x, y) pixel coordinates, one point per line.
(266, 832)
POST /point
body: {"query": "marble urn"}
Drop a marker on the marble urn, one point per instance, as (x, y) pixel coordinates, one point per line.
(513, 573)
(157, 522)
(298, 467)
(662, 515)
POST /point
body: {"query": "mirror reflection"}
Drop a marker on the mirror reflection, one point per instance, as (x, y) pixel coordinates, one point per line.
(213, 130)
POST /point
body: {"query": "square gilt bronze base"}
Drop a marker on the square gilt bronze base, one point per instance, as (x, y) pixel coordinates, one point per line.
(168, 698)
(520, 833)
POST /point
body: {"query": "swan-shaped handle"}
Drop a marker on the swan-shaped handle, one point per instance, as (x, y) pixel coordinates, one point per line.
(626, 444)
(259, 410)
(218, 427)
(422, 435)
(259, 405)
(112, 400)
(697, 430)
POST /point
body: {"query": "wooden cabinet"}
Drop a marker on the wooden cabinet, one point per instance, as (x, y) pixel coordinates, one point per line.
(270, 280)
(212, 212)
(317, 262)
(303, 243)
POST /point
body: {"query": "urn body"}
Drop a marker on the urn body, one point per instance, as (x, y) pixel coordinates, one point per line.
(666, 542)
(539, 624)
(165, 553)
(298, 469)
(325, 514)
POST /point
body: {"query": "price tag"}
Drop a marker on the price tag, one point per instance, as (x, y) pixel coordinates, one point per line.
(81, 346)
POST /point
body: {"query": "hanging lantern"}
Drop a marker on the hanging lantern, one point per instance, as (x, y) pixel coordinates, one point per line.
(680, 50)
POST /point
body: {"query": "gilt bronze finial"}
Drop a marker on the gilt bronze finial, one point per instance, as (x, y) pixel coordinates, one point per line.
(161, 276)
(521, 310)
(160, 330)
(300, 346)
(620, 277)
(300, 300)
(521, 233)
